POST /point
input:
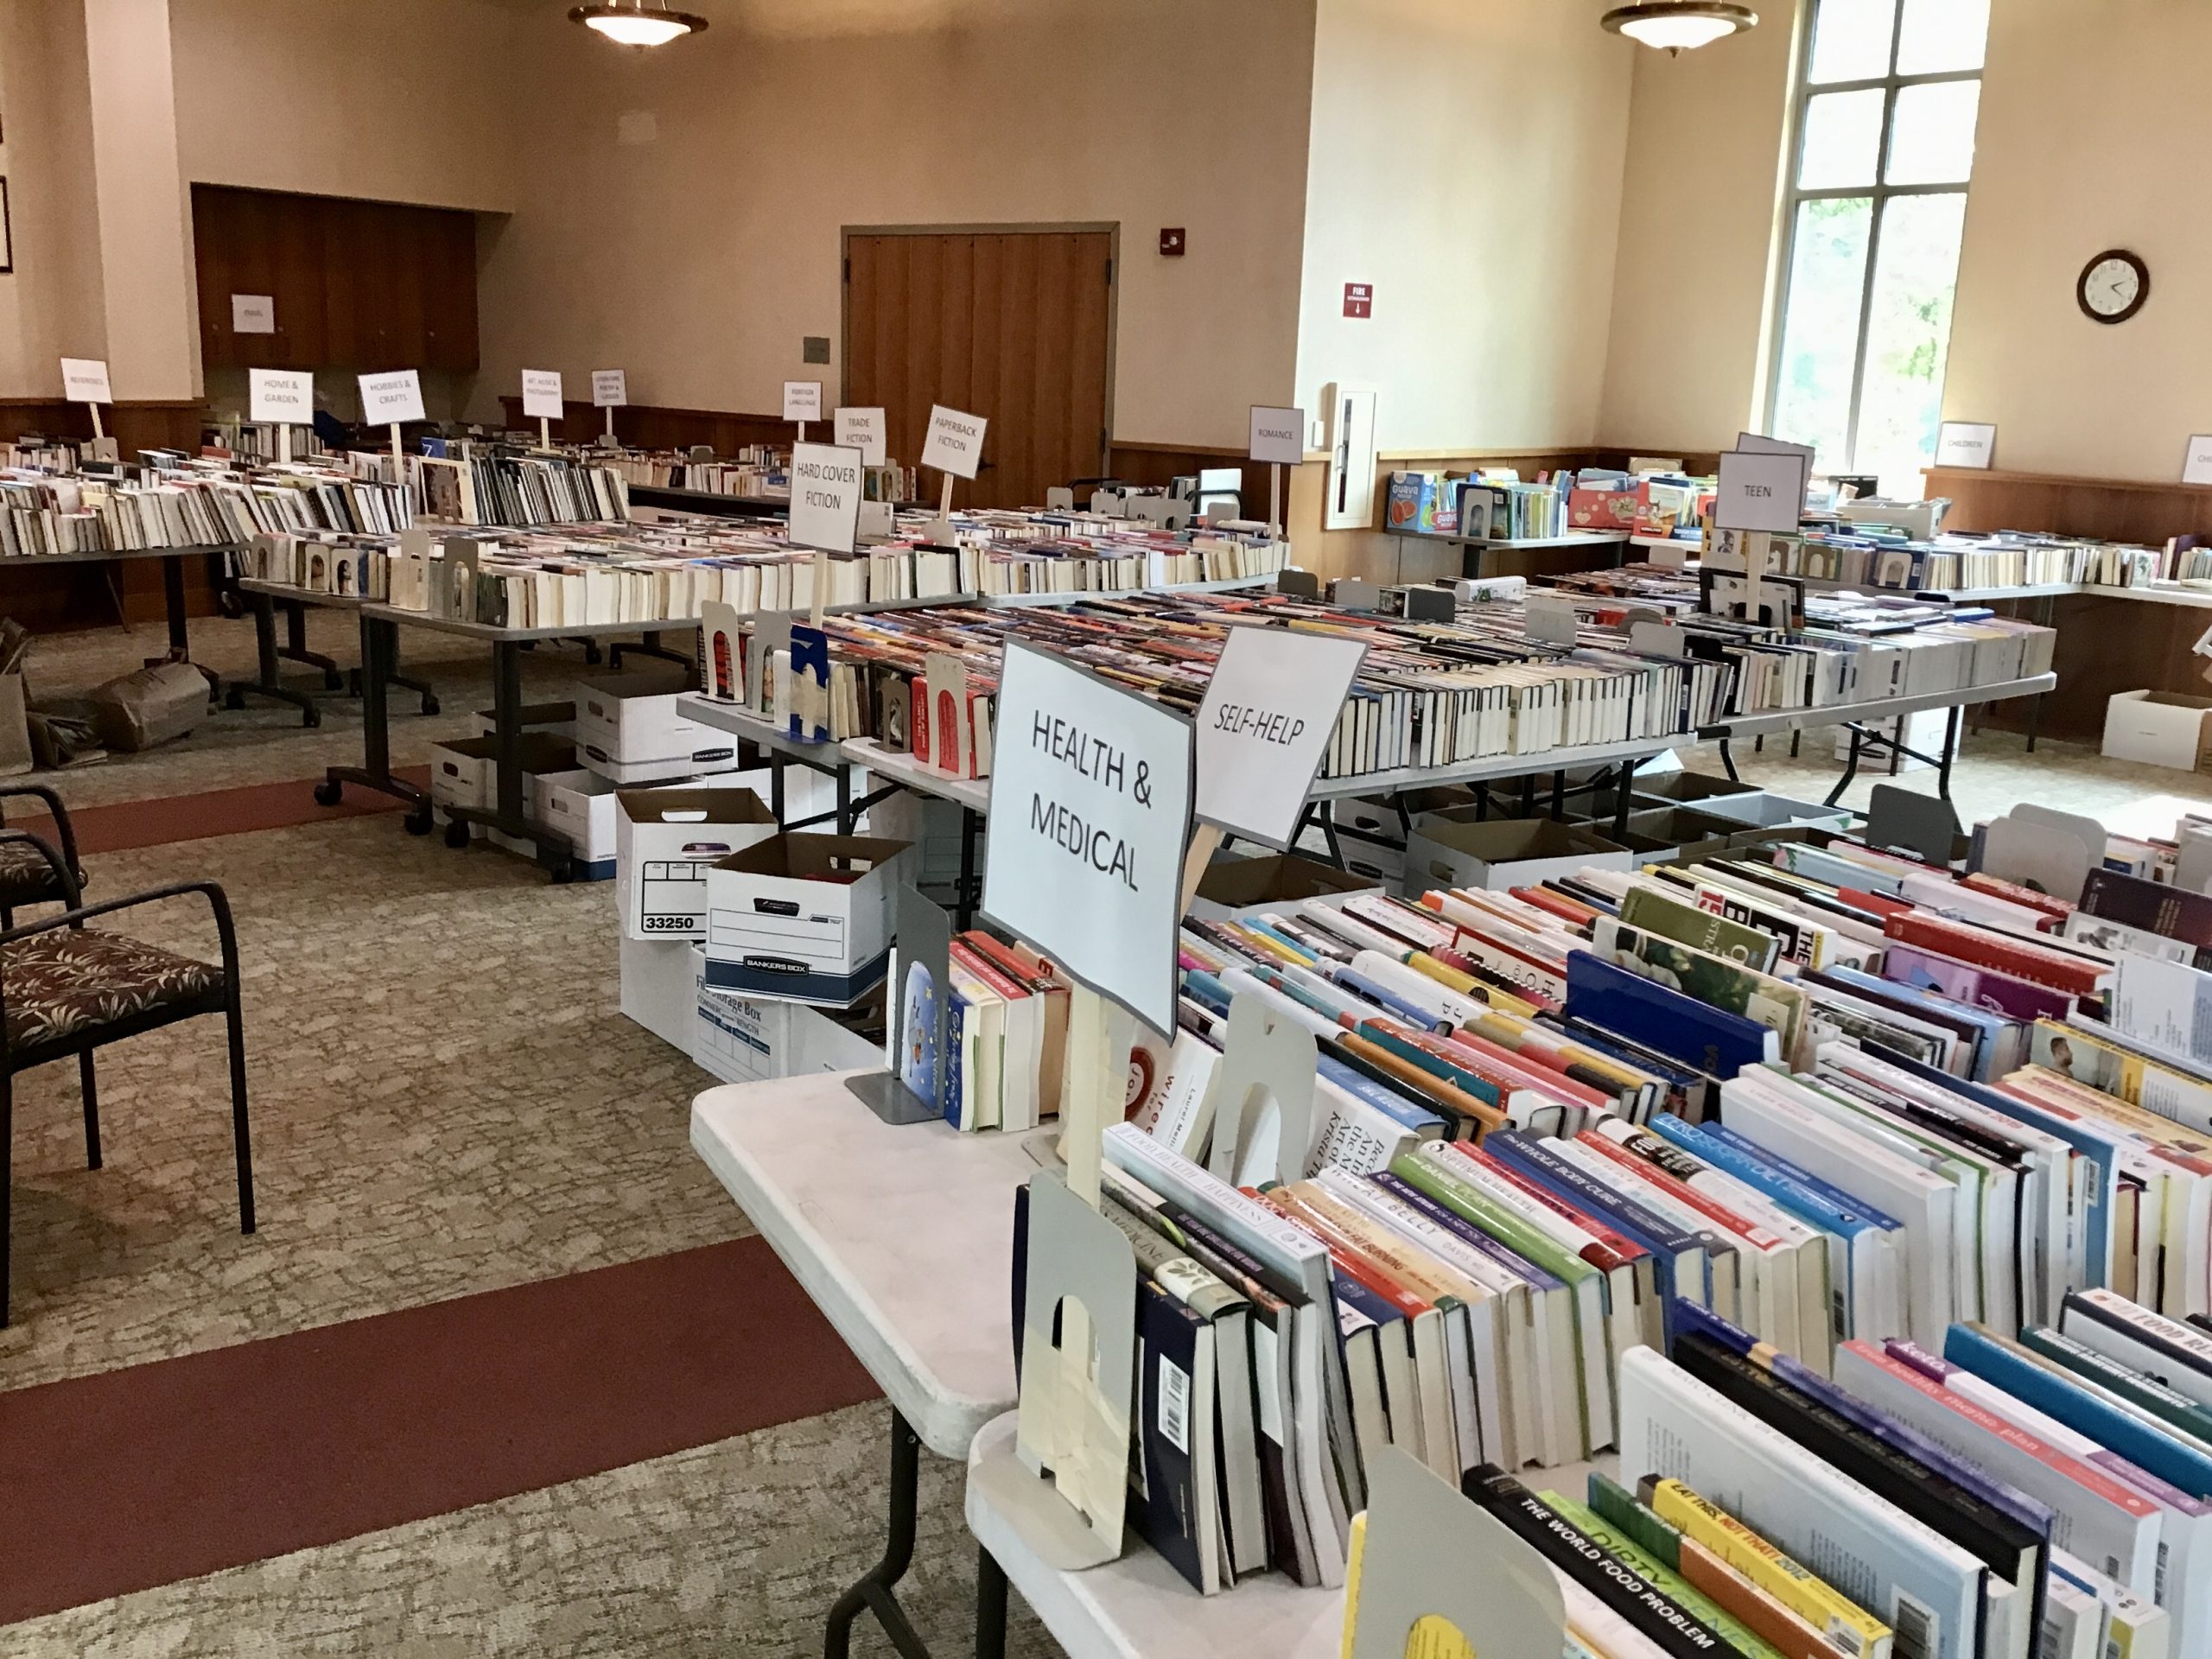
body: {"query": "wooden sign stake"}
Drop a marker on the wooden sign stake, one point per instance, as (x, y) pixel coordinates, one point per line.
(1206, 841)
(99, 431)
(610, 420)
(1275, 500)
(821, 582)
(544, 432)
(398, 461)
(802, 431)
(284, 442)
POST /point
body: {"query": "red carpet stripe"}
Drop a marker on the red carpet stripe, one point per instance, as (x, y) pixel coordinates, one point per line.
(121, 826)
(141, 1477)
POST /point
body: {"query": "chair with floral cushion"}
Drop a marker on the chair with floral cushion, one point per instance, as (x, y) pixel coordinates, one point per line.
(67, 988)
(31, 868)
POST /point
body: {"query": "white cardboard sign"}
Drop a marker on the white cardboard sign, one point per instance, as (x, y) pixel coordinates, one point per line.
(286, 395)
(1091, 811)
(541, 394)
(1278, 434)
(826, 493)
(84, 380)
(388, 400)
(253, 314)
(879, 518)
(862, 429)
(1757, 443)
(2196, 466)
(956, 441)
(802, 400)
(1269, 710)
(1966, 443)
(610, 389)
(1761, 490)
(1551, 617)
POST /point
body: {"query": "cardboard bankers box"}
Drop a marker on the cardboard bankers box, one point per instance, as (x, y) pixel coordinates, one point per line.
(803, 918)
(664, 841)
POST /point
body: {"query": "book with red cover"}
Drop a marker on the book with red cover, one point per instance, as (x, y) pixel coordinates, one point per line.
(2006, 953)
(1607, 1248)
(2057, 909)
(1881, 905)
(1734, 1222)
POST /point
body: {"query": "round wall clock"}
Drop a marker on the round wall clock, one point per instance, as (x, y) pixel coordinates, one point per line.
(2112, 286)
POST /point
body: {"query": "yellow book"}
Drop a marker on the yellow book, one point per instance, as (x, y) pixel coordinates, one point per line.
(1812, 1598)
(1467, 985)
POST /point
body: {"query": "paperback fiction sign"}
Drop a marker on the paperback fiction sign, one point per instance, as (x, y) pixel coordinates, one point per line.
(956, 441)
(1091, 808)
(826, 493)
(1268, 713)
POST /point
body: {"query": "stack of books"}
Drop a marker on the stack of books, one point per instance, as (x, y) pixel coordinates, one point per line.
(758, 472)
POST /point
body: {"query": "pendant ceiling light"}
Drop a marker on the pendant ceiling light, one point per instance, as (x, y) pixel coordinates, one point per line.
(637, 23)
(1674, 25)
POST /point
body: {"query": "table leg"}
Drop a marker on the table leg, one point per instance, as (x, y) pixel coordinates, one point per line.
(1728, 762)
(1950, 743)
(269, 681)
(1621, 787)
(295, 648)
(844, 780)
(776, 785)
(1328, 817)
(1850, 764)
(990, 1606)
(965, 901)
(379, 645)
(173, 601)
(507, 734)
(872, 1592)
(1559, 796)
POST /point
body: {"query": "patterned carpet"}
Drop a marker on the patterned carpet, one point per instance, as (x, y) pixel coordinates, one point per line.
(446, 1102)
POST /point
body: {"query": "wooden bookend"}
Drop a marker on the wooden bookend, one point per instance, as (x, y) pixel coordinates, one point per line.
(1075, 1396)
(1431, 1554)
(1262, 1096)
(911, 1089)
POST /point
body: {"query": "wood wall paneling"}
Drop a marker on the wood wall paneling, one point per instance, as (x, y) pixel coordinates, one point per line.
(360, 285)
(1014, 326)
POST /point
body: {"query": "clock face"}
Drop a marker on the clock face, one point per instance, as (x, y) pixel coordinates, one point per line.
(2112, 286)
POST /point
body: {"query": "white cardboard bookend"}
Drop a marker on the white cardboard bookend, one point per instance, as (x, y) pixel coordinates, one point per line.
(1431, 1553)
(772, 633)
(2193, 865)
(911, 1089)
(1075, 1399)
(945, 681)
(1094, 1089)
(2040, 855)
(722, 649)
(2087, 831)
(1262, 1096)
(458, 565)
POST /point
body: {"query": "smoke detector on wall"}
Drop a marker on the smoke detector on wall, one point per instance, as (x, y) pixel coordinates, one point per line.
(1675, 25)
(637, 23)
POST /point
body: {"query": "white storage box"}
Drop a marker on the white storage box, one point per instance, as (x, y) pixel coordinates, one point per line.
(1450, 850)
(664, 840)
(2161, 728)
(554, 719)
(578, 808)
(749, 1039)
(461, 772)
(1762, 810)
(628, 728)
(660, 988)
(803, 917)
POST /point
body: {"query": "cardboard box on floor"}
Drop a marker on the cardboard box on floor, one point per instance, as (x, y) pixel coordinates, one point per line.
(666, 840)
(1451, 849)
(629, 728)
(660, 987)
(1233, 887)
(805, 917)
(2160, 728)
(750, 1039)
(465, 771)
(577, 809)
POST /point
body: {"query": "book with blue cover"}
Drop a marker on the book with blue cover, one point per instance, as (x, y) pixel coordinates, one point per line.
(1707, 1038)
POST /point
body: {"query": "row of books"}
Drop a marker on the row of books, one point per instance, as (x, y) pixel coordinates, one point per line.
(196, 504)
(1863, 1108)
(1493, 505)
(1877, 557)
(519, 490)
(758, 471)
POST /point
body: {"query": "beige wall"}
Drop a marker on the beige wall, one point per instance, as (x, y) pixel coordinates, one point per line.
(391, 100)
(51, 305)
(697, 260)
(1466, 161)
(1684, 365)
(2094, 127)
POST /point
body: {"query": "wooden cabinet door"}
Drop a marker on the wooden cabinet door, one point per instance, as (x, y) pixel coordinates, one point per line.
(1011, 325)
(449, 291)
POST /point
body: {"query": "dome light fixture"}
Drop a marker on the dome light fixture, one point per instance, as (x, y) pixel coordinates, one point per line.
(637, 23)
(1675, 25)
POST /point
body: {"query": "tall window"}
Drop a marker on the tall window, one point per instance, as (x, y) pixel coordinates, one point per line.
(1886, 120)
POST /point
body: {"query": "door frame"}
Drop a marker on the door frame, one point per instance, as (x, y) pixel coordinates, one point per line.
(1110, 228)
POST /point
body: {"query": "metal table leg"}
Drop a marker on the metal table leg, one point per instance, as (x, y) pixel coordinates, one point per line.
(1850, 765)
(295, 648)
(776, 785)
(1950, 743)
(872, 1592)
(1328, 817)
(990, 1607)
(379, 642)
(172, 601)
(1559, 796)
(506, 813)
(964, 900)
(1728, 762)
(270, 680)
(1621, 787)
(844, 780)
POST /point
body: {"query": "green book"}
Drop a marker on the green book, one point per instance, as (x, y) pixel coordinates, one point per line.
(1652, 911)
(2153, 1396)
(1663, 1578)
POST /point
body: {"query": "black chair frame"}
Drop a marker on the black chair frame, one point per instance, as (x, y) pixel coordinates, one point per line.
(223, 1001)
